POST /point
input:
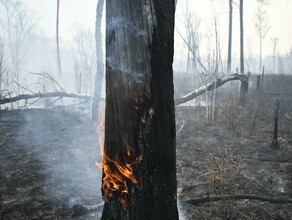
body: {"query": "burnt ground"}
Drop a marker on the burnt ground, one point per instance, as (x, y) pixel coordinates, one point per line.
(47, 162)
(233, 156)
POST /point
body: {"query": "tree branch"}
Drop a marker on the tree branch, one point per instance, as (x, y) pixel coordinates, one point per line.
(210, 86)
(43, 95)
(213, 198)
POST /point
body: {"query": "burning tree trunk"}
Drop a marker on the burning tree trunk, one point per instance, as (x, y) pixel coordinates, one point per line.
(139, 158)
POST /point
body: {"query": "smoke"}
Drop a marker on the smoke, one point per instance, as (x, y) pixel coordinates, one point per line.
(114, 64)
(118, 22)
(136, 38)
(66, 144)
(181, 212)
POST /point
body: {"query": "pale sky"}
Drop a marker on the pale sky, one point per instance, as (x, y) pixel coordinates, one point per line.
(71, 12)
(279, 15)
(83, 12)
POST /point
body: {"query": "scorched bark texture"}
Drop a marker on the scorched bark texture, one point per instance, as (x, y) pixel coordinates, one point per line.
(140, 120)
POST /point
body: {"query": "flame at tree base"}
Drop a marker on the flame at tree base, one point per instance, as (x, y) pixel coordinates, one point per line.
(120, 161)
(118, 176)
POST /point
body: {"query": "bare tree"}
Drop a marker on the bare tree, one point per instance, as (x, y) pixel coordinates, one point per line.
(275, 41)
(139, 165)
(99, 61)
(192, 24)
(57, 39)
(262, 24)
(1, 64)
(230, 36)
(241, 37)
(85, 60)
(19, 27)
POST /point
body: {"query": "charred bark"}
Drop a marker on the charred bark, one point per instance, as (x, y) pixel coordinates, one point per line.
(210, 86)
(263, 75)
(243, 91)
(139, 119)
(275, 143)
(258, 83)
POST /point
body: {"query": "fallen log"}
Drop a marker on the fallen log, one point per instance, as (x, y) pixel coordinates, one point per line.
(214, 198)
(43, 95)
(210, 86)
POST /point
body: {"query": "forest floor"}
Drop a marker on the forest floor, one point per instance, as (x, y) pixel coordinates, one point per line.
(47, 163)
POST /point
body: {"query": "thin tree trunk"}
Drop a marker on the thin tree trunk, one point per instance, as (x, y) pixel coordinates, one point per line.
(275, 143)
(241, 37)
(260, 46)
(99, 61)
(263, 75)
(229, 37)
(139, 159)
(216, 71)
(243, 91)
(57, 39)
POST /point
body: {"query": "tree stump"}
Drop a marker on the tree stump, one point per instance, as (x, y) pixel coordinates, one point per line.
(275, 143)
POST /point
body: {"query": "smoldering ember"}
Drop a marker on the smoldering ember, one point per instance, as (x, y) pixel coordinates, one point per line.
(145, 109)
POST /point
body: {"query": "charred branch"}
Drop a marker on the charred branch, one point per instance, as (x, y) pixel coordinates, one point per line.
(44, 95)
(211, 86)
(213, 198)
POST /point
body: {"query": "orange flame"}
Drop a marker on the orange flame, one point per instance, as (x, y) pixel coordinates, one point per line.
(116, 176)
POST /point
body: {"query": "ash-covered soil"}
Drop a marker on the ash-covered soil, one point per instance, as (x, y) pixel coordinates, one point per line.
(47, 163)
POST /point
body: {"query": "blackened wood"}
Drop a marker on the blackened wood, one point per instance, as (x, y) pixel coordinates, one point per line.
(275, 144)
(140, 106)
(263, 75)
(258, 83)
(244, 90)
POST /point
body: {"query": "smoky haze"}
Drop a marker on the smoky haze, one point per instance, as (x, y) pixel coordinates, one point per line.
(68, 161)
(50, 145)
